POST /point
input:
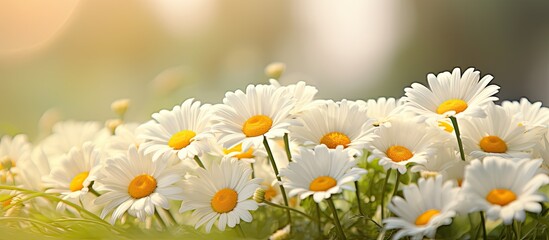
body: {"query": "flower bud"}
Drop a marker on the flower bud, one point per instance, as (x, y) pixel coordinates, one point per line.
(275, 70)
(259, 195)
(120, 106)
(112, 124)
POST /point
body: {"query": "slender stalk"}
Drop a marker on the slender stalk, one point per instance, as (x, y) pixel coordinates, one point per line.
(358, 199)
(197, 160)
(387, 175)
(458, 136)
(472, 224)
(287, 147)
(37, 222)
(253, 170)
(396, 184)
(54, 198)
(340, 232)
(275, 169)
(318, 220)
(169, 215)
(93, 190)
(160, 220)
(514, 230)
(483, 225)
(290, 209)
(240, 231)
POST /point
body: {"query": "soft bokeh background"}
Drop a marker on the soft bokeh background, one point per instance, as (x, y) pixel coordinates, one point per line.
(70, 59)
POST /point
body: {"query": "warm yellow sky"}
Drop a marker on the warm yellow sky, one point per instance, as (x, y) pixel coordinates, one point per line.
(79, 56)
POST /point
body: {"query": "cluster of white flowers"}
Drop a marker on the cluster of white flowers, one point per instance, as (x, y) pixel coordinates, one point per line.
(468, 155)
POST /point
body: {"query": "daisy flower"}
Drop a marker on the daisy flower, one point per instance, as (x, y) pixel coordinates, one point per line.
(443, 162)
(32, 170)
(221, 193)
(530, 114)
(249, 156)
(183, 131)
(124, 136)
(499, 134)
(68, 134)
(320, 173)
(424, 208)
(451, 94)
(382, 110)
(402, 143)
(334, 124)
(13, 151)
(74, 176)
(246, 118)
(301, 92)
(505, 198)
(136, 184)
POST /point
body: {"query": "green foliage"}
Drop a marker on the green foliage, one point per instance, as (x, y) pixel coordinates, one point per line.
(34, 216)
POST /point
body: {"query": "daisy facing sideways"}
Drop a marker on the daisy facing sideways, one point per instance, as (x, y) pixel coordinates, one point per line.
(320, 173)
(451, 94)
(499, 134)
(182, 131)
(136, 184)
(13, 152)
(334, 124)
(247, 118)
(506, 198)
(403, 142)
(424, 208)
(220, 193)
(74, 176)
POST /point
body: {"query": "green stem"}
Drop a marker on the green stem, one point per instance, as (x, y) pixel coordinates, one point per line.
(483, 225)
(318, 220)
(83, 220)
(514, 231)
(289, 209)
(253, 170)
(93, 190)
(240, 231)
(358, 199)
(23, 219)
(458, 136)
(383, 188)
(396, 184)
(287, 147)
(275, 169)
(160, 220)
(473, 228)
(197, 160)
(339, 229)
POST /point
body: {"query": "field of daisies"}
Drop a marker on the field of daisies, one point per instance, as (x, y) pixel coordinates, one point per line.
(444, 161)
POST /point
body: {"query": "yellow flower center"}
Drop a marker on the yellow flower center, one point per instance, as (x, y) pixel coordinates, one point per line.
(399, 153)
(500, 197)
(322, 183)
(7, 163)
(456, 105)
(142, 186)
(447, 127)
(238, 149)
(425, 217)
(493, 144)
(181, 139)
(224, 200)
(333, 139)
(270, 193)
(6, 203)
(77, 183)
(257, 126)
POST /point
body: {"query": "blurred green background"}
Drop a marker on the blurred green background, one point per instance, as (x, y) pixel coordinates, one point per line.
(72, 58)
